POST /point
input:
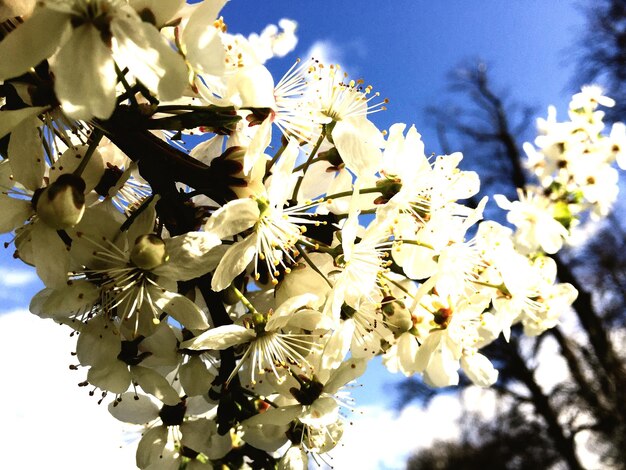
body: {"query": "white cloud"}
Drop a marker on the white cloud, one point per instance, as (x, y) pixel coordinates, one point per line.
(47, 420)
(17, 277)
(326, 52)
(380, 438)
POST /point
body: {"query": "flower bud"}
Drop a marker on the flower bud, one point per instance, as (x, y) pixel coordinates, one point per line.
(149, 252)
(62, 204)
(397, 316)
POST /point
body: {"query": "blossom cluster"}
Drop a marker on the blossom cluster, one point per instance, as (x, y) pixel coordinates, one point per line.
(573, 163)
(224, 295)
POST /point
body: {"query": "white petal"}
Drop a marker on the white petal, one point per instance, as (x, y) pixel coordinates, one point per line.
(283, 313)
(144, 222)
(71, 159)
(338, 345)
(9, 120)
(64, 301)
(180, 308)
(113, 377)
(162, 11)
(251, 87)
(233, 218)
(155, 384)
(194, 377)
(134, 408)
(204, 45)
(276, 416)
(26, 154)
(279, 189)
(50, 255)
(235, 260)
(34, 41)
(310, 320)
(323, 412)
(98, 342)
(151, 446)
(150, 58)
(345, 373)
(220, 338)
(85, 75)
(479, 369)
(190, 256)
(360, 153)
(296, 458)
(14, 212)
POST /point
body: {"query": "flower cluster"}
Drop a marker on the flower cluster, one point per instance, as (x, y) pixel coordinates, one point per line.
(573, 163)
(224, 295)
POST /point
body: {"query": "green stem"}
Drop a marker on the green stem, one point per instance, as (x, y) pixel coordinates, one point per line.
(416, 243)
(399, 286)
(95, 137)
(501, 287)
(304, 165)
(315, 268)
(310, 159)
(244, 300)
(350, 193)
(274, 159)
(122, 78)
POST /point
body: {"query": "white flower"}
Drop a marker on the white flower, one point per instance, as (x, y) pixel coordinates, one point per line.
(479, 369)
(346, 105)
(274, 230)
(536, 226)
(269, 347)
(86, 38)
(163, 446)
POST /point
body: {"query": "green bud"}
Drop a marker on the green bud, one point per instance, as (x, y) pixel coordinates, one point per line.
(562, 214)
(149, 252)
(62, 204)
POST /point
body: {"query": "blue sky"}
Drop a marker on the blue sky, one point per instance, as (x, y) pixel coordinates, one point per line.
(405, 49)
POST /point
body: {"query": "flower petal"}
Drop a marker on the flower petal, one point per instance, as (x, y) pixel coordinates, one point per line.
(134, 408)
(345, 373)
(26, 154)
(220, 338)
(233, 218)
(34, 41)
(357, 143)
(276, 416)
(65, 301)
(194, 377)
(235, 260)
(50, 255)
(151, 446)
(85, 75)
(190, 256)
(14, 212)
(9, 120)
(112, 377)
(150, 58)
(180, 308)
(155, 384)
(205, 51)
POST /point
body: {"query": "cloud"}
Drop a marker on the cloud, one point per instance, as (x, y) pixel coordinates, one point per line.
(380, 438)
(326, 52)
(17, 277)
(47, 420)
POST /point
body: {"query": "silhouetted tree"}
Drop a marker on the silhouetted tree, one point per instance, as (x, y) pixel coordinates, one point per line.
(592, 399)
(601, 52)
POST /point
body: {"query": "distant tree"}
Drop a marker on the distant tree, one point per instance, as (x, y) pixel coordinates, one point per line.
(592, 399)
(493, 445)
(601, 52)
